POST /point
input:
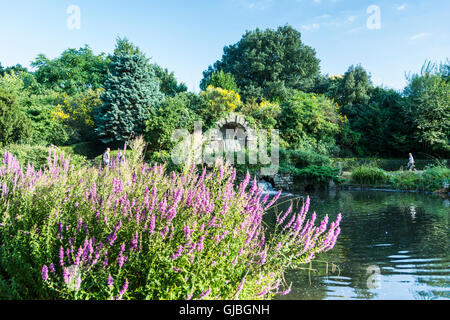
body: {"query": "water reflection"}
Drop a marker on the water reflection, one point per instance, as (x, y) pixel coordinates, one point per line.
(404, 235)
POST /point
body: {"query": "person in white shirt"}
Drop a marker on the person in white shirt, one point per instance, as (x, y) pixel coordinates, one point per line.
(411, 162)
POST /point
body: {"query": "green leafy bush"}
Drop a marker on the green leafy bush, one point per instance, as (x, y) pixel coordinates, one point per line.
(320, 174)
(369, 175)
(406, 180)
(33, 154)
(316, 174)
(303, 158)
(14, 125)
(348, 164)
(174, 113)
(435, 178)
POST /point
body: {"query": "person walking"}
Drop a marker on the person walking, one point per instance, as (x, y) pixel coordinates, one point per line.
(106, 157)
(121, 158)
(411, 162)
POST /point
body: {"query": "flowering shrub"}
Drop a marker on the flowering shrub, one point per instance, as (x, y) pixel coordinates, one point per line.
(139, 232)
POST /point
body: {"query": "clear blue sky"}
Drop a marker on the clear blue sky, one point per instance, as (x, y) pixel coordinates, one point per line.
(186, 36)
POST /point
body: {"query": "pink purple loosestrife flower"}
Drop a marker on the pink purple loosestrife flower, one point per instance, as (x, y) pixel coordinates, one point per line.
(44, 272)
(189, 214)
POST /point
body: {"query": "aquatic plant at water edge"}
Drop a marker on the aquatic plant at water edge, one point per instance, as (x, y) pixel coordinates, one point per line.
(140, 232)
(369, 175)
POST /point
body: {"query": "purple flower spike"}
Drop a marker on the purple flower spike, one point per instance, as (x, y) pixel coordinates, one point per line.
(110, 281)
(178, 253)
(44, 272)
(61, 256)
(124, 288)
(205, 293)
(221, 170)
(285, 215)
(283, 293)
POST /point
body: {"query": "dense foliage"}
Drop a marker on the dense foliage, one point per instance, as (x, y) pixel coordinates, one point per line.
(174, 113)
(429, 108)
(369, 175)
(131, 91)
(86, 102)
(220, 79)
(14, 125)
(139, 232)
(265, 63)
(310, 122)
(71, 229)
(74, 71)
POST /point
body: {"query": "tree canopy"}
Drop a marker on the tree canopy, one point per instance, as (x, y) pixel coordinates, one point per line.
(14, 125)
(309, 121)
(220, 79)
(131, 91)
(269, 76)
(74, 71)
(266, 60)
(428, 106)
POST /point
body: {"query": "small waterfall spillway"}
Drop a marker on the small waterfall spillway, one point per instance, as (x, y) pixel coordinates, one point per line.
(266, 187)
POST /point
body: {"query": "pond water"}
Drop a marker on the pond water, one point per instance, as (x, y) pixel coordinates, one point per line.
(392, 246)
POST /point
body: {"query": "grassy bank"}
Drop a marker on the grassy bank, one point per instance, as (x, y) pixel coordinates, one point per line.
(432, 179)
(432, 175)
(387, 164)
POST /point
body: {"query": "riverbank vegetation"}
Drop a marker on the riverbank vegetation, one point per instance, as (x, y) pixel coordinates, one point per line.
(154, 229)
(83, 102)
(434, 178)
(140, 232)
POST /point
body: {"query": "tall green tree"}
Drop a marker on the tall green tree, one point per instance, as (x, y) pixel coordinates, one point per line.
(14, 125)
(168, 83)
(220, 79)
(352, 92)
(74, 71)
(354, 87)
(131, 91)
(309, 121)
(174, 113)
(428, 107)
(384, 127)
(266, 63)
(37, 105)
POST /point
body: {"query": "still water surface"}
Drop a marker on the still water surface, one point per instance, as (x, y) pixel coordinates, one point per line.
(392, 246)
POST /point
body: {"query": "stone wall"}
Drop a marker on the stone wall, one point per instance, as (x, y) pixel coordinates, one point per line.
(284, 182)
